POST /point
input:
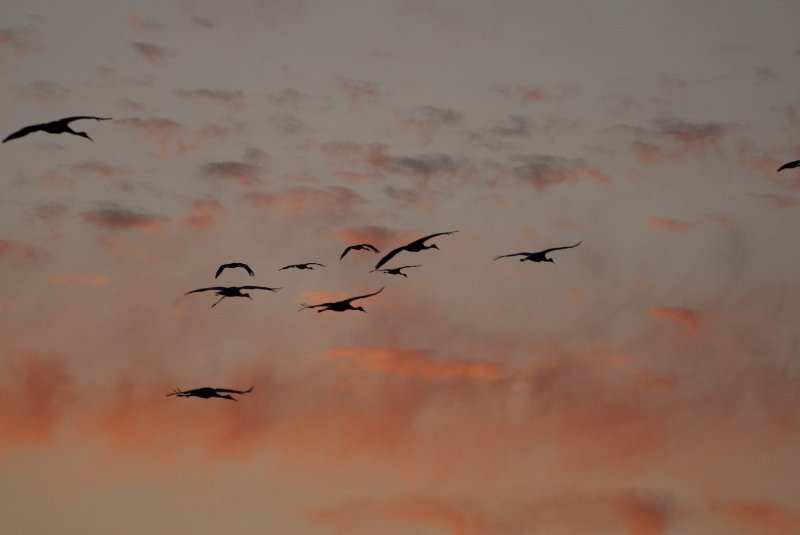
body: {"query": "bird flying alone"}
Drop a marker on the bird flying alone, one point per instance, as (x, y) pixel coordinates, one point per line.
(413, 247)
(359, 247)
(789, 165)
(307, 265)
(208, 392)
(232, 265)
(231, 291)
(60, 126)
(540, 256)
(339, 306)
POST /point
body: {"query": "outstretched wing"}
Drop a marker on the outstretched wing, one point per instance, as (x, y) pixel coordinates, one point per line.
(514, 254)
(220, 269)
(288, 267)
(421, 241)
(315, 264)
(389, 256)
(23, 132)
(789, 165)
(67, 120)
(370, 247)
(231, 391)
(558, 248)
(351, 299)
(215, 288)
(304, 306)
(347, 250)
(259, 288)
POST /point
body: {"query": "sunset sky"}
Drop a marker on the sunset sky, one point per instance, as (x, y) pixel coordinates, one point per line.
(645, 383)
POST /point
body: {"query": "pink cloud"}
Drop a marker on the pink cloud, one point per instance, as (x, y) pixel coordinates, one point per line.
(203, 214)
(244, 174)
(779, 202)
(335, 203)
(543, 172)
(358, 92)
(98, 168)
(15, 250)
(688, 318)
(37, 392)
(233, 99)
(80, 280)
(670, 224)
(759, 518)
(120, 218)
(143, 24)
(149, 52)
(168, 138)
(44, 93)
(425, 121)
(374, 234)
(16, 43)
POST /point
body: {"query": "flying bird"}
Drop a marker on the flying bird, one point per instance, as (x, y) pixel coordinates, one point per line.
(208, 392)
(340, 306)
(234, 265)
(413, 247)
(790, 165)
(540, 256)
(397, 270)
(360, 247)
(307, 265)
(231, 291)
(55, 127)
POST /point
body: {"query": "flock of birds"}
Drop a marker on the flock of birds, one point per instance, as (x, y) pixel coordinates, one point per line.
(62, 126)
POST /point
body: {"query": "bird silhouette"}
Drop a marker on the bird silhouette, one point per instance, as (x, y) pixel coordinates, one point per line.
(540, 256)
(359, 247)
(307, 265)
(231, 291)
(413, 247)
(55, 127)
(208, 392)
(397, 270)
(789, 165)
(340, 306)
(221, 268)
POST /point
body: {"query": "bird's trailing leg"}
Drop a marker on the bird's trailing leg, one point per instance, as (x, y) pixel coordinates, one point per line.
(217, 301)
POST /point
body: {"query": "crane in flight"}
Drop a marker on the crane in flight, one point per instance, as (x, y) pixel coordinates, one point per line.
(397, 270)
(413, 247)
(339, 306)
(306, 265)
(208, 392)
(231, 291)
(359, 247)
(539, 256)
(60, 126)
(232, 265)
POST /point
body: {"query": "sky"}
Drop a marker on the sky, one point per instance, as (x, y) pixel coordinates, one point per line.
(644, 383)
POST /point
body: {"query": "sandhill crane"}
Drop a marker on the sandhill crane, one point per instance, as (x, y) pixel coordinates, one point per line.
(234, 265)
(55, 127)
(539, 256)
(307, 265)
(413, 247)
(397, 270)
(231, 291)
(359, 247)
(339, 306)
(208, 392)
(789, 165)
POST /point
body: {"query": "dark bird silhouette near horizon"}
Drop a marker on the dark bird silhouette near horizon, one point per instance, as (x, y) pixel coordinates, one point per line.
(232, 265)
(397, 270)
(540, 256)
(789, 165)
(207, 392)
(231, 291)
(359, 247)
(306, 265)
(340, 306)
(413, 247)
(60, 126)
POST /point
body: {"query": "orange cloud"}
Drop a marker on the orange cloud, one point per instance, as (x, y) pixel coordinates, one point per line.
(98, 168)
(37, 391)
(543, 172)
(80, 280)
(779, 202)
(358, 92)
(336, 203)
(168, 138)
(688, 318)
(425, 121)
(759, 518)
(245, 174)
(374, 234)
(414, 363)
